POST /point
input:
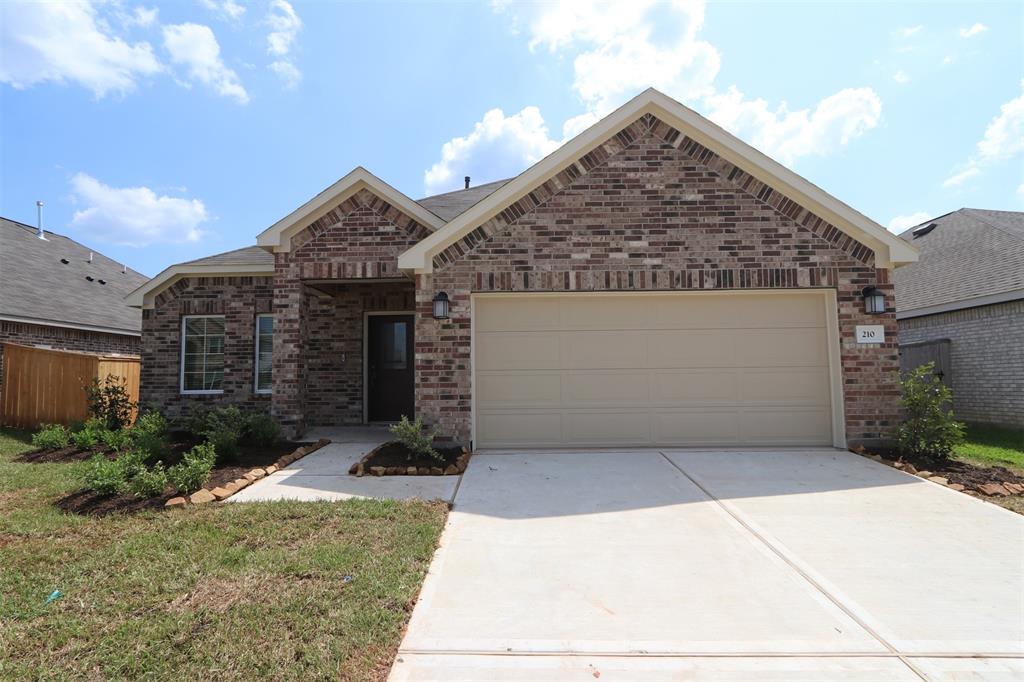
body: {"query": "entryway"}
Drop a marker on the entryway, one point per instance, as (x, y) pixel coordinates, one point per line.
(390, 366)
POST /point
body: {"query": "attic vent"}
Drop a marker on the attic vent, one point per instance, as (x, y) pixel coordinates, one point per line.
(103, 281)
(65, 261)
(89, 278)
(922, 231)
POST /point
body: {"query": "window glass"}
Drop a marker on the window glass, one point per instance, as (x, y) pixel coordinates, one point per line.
(264, 352)
(203, 354)
(393, 351)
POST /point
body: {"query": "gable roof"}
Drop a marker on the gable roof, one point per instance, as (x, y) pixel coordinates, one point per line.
(889, 250)
(37, 287)
(970, 257)
(451, 204)
(249, 261)
(277, 237)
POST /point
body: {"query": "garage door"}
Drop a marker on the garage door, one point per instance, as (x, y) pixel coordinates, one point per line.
(697, 369)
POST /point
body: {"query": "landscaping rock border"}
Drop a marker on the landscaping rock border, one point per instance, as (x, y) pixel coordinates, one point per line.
(360, 468)
(223, 492)
(993, 489)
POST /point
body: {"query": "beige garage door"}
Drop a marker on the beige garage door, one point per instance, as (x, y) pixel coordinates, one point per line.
(697, 369)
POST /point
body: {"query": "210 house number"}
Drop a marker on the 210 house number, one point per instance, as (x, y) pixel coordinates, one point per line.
(870, 333)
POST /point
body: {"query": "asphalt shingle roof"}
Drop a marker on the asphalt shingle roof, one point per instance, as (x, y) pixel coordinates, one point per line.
(970, 253)
(249, 255)
(35, 283)
(451, 204)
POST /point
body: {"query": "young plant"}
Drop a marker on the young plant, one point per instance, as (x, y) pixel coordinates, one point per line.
(89, 435)
(413, 435)
(261, 430)
(188, 475)
(110, 402)
(929, 430)
(150, 434)
(51, 437)
(149, 482)
(116, 440)
(104, 476)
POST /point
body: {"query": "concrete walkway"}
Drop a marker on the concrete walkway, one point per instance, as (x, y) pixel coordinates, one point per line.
(712, 565)
(323, 475)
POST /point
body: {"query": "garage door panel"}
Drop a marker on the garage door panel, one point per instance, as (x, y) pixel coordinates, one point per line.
(688, 369)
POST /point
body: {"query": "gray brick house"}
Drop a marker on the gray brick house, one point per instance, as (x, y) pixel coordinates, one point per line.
(653, 281)
(962, 305)
(59, 294)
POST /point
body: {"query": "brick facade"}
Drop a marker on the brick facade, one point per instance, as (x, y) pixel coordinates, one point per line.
(653, 210)
(239, 300)
(987, 359)
(62, 338)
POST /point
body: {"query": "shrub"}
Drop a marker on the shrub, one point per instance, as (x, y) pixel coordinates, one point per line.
(415, 437)
(221, 426)
(132, 462)
(51, 436)
(116, 440)
(928, 430)
(188, 475)
(149, 482)
(150, 434)
(89, 435)
(261, 430)
(110, 402)
(104, 476)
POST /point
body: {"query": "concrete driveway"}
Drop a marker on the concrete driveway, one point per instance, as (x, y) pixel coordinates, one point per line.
(714, 565)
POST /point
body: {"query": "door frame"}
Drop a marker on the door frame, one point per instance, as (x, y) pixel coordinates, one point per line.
(367, 314)
(828, 296)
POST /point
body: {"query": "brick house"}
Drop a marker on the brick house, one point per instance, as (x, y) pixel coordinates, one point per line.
(59, 294)
(653, 281)
(962, 306)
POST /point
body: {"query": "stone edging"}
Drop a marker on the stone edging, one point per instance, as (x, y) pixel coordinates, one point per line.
(359, 468)
(988, 489)
(221, 493)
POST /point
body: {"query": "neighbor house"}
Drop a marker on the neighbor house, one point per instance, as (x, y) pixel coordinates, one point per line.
(654, 281)
(56, 293)
(962, 306)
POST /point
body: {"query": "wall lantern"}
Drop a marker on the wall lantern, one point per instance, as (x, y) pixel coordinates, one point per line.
(441, 306)
(874, 301)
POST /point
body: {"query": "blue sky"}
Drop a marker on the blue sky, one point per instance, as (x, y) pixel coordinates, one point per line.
(163, 132)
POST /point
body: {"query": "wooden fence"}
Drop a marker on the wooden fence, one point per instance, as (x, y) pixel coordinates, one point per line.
(913, 355)
(42, 386)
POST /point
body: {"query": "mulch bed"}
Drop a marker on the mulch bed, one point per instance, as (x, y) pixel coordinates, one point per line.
(395, 459)
(68, 454)
(969, 478)
(88, 502)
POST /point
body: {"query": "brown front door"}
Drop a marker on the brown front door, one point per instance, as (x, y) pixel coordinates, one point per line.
(389, 374)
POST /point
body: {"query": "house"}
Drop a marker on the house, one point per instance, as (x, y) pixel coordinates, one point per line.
(962, 305)
(56, 293)
(655, 281)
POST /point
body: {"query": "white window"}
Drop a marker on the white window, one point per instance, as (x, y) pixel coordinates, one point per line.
(264, 353)
(202, 354)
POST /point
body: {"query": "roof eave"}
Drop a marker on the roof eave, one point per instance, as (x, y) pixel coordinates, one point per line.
(143, 296)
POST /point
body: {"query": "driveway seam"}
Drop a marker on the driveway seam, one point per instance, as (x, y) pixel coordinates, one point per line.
(814, 583)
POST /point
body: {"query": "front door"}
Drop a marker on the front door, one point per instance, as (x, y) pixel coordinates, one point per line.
(389, 372)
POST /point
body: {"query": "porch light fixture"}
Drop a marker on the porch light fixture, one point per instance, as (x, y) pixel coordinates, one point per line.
(874, 301)
(441, 306)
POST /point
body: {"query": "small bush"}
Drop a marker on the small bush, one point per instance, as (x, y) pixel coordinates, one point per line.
(149, 482)
(110, 402)
(188, 475)
(222, 426)
(261, 430)
(415, 437)
(104, 476)
(132, 462)
(89, 435)
(151, 434)
(928, 430)
(51, 436)
(116, 440)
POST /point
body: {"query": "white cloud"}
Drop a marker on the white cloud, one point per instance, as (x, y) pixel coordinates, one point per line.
(905, 222)
(145, 16)
(195, 47)
(1003, 139)
(901, 77)
(60, 42)
(910, 31)
(228, 9)
(1020, 190)
(134, 216)
(500, 146)
(788, 135)
(977, 29)
(948, 59)
(284, 29)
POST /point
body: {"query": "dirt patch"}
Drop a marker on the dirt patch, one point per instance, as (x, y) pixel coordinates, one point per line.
(992, 481)
(395, 459)
(69, 454)
(89, 503)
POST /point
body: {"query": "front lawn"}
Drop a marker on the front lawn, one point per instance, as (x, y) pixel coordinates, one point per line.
(993, 446)
(281, 590)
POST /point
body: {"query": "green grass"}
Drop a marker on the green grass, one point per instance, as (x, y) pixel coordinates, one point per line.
(993, 446)
(241, 591)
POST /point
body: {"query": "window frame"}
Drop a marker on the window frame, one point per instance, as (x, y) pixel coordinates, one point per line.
(256, 356)
(181, 358)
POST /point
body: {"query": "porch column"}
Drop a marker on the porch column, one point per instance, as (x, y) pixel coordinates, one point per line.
(289, 341)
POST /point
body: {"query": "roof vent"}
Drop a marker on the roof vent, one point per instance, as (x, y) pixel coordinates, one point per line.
(922, 231)
(467, 182)
(89, 278)
(124, 268)
(39, 221)
(90, 256)
(65, 261)
(103, 281)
